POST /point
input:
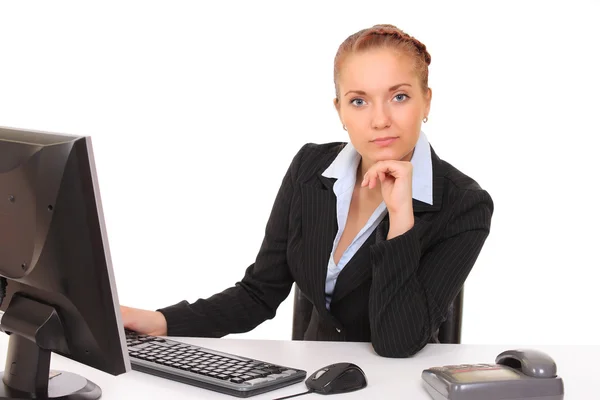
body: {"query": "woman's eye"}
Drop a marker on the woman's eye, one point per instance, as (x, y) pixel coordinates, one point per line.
(357, 102)
(400, 97)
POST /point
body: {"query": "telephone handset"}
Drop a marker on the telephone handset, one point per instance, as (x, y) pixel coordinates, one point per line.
(517, 375)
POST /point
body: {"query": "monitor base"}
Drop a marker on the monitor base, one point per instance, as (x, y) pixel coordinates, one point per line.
(61, 386)
(35, 331)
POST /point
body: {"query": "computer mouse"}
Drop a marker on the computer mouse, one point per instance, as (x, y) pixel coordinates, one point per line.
(337, 378)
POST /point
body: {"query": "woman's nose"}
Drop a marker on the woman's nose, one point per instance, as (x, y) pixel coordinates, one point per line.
(381, 117)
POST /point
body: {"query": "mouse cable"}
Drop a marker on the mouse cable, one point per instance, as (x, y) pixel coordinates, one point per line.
(294, 395)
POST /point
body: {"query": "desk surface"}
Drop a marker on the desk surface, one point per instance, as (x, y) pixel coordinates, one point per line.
(387, 378)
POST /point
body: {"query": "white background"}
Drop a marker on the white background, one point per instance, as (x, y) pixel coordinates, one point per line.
(195, 112)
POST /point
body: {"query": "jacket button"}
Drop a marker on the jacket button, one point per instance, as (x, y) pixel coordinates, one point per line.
(338, 330)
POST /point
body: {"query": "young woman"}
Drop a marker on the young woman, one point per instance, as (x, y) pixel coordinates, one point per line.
(378, 233)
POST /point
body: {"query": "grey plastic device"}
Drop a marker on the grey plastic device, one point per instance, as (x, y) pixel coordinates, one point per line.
(517, 375)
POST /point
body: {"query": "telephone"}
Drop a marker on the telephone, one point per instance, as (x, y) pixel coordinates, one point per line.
(517, 375)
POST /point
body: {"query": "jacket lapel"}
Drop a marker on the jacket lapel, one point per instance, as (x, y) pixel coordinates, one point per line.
(319, 227)
(359, 267)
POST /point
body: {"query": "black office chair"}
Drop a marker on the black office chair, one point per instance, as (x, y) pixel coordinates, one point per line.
(449, 331)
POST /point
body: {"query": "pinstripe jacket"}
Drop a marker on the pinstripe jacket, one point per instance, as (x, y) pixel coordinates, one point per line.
(393, 293)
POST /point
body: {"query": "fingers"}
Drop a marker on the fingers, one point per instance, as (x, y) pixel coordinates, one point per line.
(381, 170)
(369, 180)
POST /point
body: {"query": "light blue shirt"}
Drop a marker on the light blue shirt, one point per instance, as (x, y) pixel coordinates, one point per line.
(343, 168)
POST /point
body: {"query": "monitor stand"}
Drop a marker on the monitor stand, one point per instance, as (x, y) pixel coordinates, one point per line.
(35, 331)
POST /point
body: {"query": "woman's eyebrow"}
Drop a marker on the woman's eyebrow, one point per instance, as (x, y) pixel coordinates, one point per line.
(391, 89)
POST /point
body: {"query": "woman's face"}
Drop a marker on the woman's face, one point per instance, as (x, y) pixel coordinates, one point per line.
(382, 104)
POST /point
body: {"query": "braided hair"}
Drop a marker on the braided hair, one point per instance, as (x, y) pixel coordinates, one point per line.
(384, 36)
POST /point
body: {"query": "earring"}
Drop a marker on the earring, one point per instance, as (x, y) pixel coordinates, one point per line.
(345, 127)
(425, 120)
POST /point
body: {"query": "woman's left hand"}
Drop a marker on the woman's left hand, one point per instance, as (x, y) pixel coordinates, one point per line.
(396, 189)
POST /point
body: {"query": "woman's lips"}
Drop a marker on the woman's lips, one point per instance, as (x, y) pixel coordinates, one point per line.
(385, 141)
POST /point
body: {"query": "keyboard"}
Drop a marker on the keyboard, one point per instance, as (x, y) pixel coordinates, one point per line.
(209, 369)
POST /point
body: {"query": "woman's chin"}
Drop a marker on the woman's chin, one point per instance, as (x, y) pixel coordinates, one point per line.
(389, 153)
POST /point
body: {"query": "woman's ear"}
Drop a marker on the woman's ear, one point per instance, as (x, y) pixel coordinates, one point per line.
(336, 104)
(428, 95)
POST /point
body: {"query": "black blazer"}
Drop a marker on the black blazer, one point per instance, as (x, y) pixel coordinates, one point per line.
(393, 293)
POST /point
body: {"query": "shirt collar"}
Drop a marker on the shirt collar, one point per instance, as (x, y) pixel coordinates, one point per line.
(345, 164)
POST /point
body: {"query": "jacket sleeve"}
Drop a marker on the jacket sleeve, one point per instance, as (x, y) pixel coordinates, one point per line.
(412, 288)
(266, 283)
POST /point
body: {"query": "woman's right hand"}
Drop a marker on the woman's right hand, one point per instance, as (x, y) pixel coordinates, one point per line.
(144, 321)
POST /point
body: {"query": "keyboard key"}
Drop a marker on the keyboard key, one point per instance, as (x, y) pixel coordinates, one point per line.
(277, 376)
(256, 381)
(289, 371)
(139, 346)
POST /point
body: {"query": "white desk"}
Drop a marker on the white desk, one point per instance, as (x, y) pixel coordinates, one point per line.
(387, 378)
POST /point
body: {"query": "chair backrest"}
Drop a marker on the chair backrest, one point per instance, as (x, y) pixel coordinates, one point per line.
(302, 312)
(450, 329)
(449, 332)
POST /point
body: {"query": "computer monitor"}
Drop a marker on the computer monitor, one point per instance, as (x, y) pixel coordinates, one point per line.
(60, 293)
